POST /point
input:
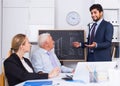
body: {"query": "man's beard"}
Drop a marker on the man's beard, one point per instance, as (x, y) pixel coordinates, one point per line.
(95, 20)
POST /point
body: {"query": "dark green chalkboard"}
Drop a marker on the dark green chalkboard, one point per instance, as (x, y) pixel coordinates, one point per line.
(63, 43)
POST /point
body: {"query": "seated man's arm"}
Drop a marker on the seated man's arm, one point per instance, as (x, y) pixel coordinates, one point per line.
(65, 69)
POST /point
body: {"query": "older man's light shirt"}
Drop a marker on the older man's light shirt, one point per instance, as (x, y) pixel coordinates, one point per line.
(41, 61)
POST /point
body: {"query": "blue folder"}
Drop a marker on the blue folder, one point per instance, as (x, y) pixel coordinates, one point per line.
(38, 83)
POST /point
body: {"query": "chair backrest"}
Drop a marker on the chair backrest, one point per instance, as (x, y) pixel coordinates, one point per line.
(2, 81)
(5, 82)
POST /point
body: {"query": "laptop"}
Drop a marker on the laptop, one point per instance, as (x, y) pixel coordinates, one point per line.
(83, 70)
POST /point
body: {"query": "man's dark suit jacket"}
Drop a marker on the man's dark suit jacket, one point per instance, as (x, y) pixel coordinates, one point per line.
(103, 38)
(16, 73)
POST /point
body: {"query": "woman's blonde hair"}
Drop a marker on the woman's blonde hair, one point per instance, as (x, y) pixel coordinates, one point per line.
(17, 40)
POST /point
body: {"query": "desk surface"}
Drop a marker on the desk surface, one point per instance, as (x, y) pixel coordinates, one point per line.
(57, 81)
(112, 78)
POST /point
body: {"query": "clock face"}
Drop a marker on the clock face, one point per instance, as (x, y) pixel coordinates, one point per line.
(73, 18)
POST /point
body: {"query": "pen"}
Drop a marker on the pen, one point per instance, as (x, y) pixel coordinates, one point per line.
(93, 74)
(88, 68)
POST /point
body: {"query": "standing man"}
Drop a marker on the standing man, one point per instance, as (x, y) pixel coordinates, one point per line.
(99, 37)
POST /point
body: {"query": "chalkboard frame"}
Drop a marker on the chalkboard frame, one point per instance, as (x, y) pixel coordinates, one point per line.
(57, 31)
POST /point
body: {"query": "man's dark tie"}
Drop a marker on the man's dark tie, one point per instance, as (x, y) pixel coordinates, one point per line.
(92, 32)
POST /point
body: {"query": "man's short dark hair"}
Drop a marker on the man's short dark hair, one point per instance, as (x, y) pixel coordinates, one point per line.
(96, 6)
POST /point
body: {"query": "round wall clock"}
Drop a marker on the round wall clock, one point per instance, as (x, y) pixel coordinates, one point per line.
(73, 18)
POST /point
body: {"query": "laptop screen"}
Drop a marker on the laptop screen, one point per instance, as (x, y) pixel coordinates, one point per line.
(83, 70)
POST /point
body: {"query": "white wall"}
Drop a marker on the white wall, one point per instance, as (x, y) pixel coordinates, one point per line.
(20, 15)
(63, 7)
(0, 37)
(0, 25)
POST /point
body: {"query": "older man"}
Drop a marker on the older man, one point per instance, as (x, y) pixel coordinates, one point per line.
(44, 59)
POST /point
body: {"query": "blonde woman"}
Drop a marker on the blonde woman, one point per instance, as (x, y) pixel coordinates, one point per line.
(18, 68)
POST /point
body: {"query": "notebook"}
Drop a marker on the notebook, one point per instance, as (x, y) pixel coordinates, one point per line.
(38, 83)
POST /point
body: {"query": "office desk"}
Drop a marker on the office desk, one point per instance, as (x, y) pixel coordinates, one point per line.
(57, 81)
(107, 75)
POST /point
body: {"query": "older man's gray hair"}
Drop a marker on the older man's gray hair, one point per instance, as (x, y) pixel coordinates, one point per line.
(43, 38)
